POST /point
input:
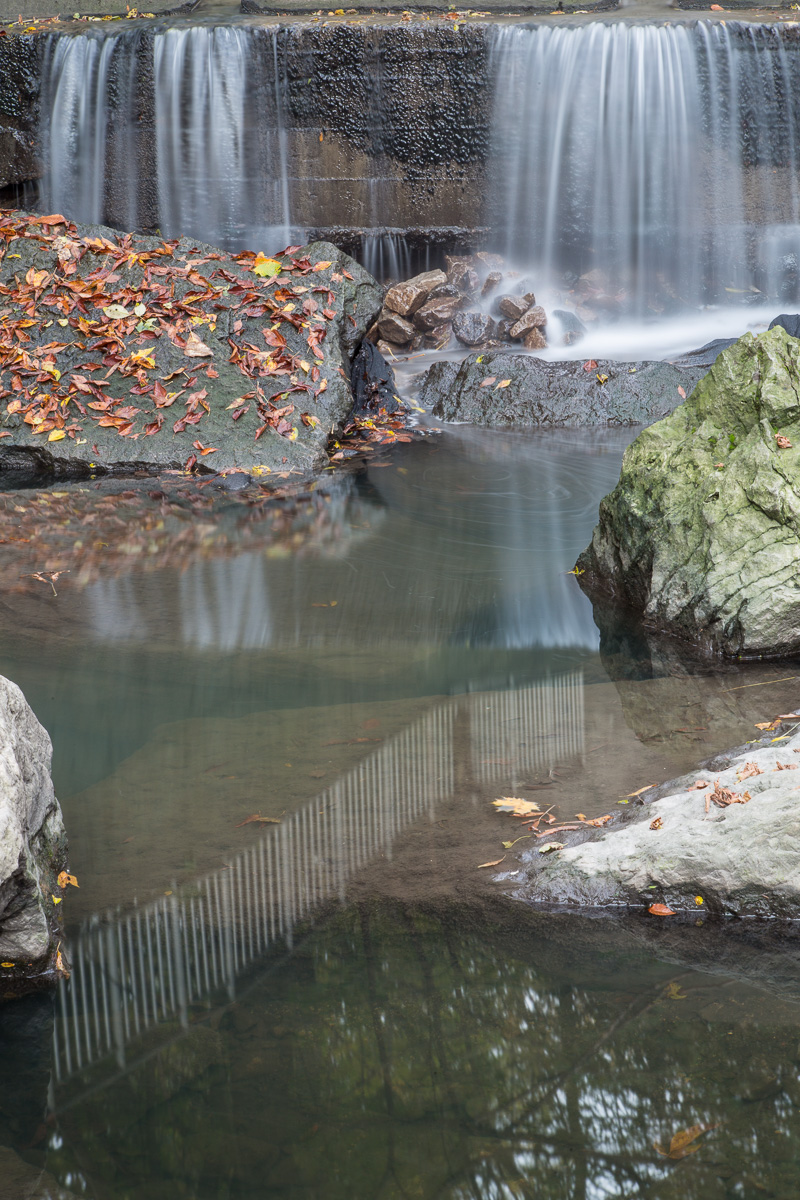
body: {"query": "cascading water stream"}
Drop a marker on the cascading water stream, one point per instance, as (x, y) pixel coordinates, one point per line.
(660, 159)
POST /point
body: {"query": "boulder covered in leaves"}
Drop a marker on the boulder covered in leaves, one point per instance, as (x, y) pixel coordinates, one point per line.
(120, 351)
(701, 536)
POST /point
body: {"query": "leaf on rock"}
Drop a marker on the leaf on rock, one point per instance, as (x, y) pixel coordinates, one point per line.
(265, 267)
(502, 384)
(196, 349)
(490, 379)
(782, 442)
(748, 770)
(657, 823)
(550, 847)
(590, 365)
(698, 785)
(116, 312)
(65, 878)
(323, 266)
(661, 910)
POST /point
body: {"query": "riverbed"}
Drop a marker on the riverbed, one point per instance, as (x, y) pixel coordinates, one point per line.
(277, 746)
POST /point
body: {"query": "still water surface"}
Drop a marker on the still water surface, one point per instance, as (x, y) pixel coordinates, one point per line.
(342, 1004)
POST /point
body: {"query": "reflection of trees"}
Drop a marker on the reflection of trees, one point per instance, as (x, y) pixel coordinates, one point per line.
(402, 1054)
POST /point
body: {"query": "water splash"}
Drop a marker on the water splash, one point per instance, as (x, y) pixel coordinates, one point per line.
(659, 161)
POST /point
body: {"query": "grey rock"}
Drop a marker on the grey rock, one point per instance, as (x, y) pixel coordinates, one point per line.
(494, 262)
(571, 324)
(788, 321)
(406, 298)
(743, 859)
(534, 318)
(444, 289)
(512, 307)
(552, 393)
(700, 537)
(229, 333)
(32, 837)
(473, 328)
(464, 277)
(502, 329)
(436, 312)
(395, 329)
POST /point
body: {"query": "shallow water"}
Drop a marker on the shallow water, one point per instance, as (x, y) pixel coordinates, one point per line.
(340, 1004)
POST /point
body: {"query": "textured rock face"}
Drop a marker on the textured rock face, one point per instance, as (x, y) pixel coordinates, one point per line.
(406, 298)
(552, 393)
(741, 859)
(32, 838)
(701, 536)
(205, 353)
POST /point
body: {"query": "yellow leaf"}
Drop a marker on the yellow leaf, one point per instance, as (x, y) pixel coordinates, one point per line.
(646, 788)
(63, 321)
(65, 878)
(6, 964)
(494, 863)
(266, 267)
(674, 992)
(55, 899)
(56, 435)
(321, 266)
(513, 804)
(503, 384)
(682, 1143)
(306, 366)
(293, 436)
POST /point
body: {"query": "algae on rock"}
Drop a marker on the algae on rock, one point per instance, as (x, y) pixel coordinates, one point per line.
(701, 536)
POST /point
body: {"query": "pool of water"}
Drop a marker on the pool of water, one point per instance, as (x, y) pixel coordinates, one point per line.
(278, 727)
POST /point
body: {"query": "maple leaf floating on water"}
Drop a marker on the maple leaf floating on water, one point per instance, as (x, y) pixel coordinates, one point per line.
(65, 878)
(515, 806)
(683, 1142)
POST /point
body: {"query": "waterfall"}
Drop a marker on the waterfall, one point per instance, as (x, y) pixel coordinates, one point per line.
(182, 130)
(660, 160)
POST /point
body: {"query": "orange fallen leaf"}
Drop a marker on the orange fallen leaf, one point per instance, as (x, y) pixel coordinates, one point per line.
(495, 863)
(488, 380)
(255, 818)
(749, 769)
(683, 1142)
(782, 442)
(656, 824)
(661, 910)
(646, 788)
(205, 449)
(65, 878)
(681, 393)
(700, 783)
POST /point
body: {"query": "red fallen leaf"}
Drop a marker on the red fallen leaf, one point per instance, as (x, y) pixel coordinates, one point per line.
(329, 313)
(205, 449)
(347, 274)
(212, 374)
(782, 442)
(701, 783)
(154, 426)
(5, 433)
(591, 365)
(239, 412)
(661, 910)
(55, 219)
(191, 463)
(681, 393)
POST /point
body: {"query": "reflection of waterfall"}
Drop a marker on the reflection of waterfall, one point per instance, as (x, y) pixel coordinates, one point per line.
(145, 967)
(651, 155)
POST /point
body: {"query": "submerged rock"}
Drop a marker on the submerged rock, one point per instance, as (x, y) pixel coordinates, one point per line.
(731, 847)
(552, 393)
(32, 839)
(701, 536)
(120, 351)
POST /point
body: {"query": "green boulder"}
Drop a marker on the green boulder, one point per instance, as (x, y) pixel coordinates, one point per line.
(701, 536)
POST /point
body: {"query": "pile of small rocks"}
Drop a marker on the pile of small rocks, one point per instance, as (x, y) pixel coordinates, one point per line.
(475, 299)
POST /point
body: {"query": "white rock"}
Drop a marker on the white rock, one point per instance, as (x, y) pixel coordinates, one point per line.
(32, 837)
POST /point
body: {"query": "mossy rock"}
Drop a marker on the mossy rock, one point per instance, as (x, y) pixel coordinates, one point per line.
(701, 536)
